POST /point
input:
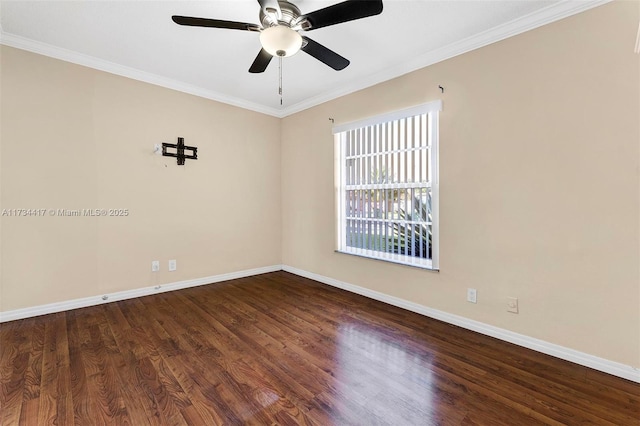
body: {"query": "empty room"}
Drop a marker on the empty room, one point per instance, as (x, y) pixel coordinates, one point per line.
(314, 212)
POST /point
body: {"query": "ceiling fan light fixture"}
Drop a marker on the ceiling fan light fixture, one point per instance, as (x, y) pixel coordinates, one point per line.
(280, 40)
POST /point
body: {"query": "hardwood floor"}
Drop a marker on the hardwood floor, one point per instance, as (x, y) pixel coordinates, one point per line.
(281, 349)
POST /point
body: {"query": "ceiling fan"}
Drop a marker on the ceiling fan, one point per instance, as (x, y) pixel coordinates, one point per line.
(281, 23)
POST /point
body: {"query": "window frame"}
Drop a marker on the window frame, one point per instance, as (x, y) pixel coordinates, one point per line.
(432, 111)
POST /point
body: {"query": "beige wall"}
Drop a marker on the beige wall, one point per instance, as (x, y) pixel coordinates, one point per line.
(539, 161)
(75, 138)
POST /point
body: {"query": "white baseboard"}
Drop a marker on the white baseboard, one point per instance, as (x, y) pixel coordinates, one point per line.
(615, 368)
(129, 294)
(611, 367)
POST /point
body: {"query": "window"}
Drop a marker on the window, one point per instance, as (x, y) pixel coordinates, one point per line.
(387, 180)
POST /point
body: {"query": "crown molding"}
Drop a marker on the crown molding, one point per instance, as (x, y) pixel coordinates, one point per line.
(132, 73)
(544, 16)
(552, 13)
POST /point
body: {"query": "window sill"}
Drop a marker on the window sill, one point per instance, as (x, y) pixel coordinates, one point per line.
(424, 266)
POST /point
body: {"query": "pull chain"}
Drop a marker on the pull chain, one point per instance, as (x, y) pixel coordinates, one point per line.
(280, 78)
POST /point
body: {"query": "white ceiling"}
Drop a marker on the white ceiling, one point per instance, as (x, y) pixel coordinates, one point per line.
(138, 39)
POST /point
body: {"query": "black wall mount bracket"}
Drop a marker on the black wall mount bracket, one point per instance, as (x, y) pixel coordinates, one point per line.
(180, 148)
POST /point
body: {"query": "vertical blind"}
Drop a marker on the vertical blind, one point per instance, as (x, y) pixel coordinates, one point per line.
(387, 202)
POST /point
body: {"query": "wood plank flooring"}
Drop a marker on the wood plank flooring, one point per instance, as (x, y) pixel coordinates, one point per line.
(278, 349)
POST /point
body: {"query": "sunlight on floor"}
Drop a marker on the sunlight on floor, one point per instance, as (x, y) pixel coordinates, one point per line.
(370, 358)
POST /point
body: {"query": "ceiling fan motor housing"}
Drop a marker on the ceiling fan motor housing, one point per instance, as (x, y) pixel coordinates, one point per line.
(290, 14)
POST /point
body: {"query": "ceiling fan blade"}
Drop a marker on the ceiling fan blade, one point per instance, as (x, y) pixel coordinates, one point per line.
(261, 62)
(325, 55)
(342, 12)
(214, 23)
(270, 7)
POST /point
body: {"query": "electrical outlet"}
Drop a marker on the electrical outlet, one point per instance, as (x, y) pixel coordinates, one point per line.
(173, 265)
(512, 304)
(472, 295)
(155, 266)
